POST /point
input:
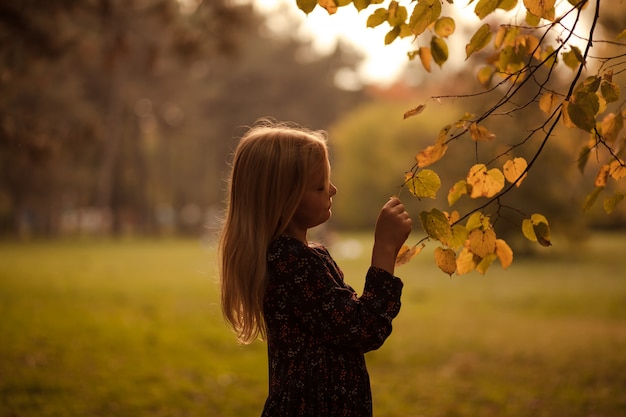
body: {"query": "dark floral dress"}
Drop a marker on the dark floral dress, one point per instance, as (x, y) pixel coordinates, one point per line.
(318, 331)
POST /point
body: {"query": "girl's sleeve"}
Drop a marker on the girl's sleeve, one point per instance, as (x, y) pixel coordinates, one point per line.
(332, 312)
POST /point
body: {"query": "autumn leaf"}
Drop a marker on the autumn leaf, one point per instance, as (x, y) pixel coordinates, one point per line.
(541, 8)
(431, 154)
(439, 50)
(435, 224)
(458, 236)
(466, 262)
(482, 242)
(426, 57)
(407, 253)
(514, 170)
(446, 260)
(458, 189)
(617, 169)
(485, 263)
(537, 229)
(485, 75)
(611, 125)
(414, 111)
(479, 40)
(424, 184)
(612, 201)
(504, 253)
(610, 91)
(377, 18)
(602, 176)
(547, 102)
(480, 133)
(485, 183)
(582, 109)
(591, 198)
(478, 220)
(572, 58)
(424, 14)
(329, 5)
(306, 6)
(445, 27)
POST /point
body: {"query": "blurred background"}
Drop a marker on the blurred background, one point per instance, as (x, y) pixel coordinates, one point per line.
(118, 117)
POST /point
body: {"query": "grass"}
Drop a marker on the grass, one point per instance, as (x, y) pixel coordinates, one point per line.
(133, 328)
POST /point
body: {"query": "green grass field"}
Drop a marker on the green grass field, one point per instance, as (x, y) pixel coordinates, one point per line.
(133, 329)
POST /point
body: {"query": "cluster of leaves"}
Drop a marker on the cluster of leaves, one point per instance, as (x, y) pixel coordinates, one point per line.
(523, 57)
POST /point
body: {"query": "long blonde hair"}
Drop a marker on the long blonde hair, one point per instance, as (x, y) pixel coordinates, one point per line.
(270, 170)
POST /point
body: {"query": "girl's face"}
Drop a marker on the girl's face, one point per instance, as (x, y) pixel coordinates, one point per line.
(315, 206)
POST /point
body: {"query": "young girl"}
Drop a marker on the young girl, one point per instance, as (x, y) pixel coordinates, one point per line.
(279, 286)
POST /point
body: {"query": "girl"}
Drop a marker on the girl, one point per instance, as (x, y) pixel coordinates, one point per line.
(279, 286)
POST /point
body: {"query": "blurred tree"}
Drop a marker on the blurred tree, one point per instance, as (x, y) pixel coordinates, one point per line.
(118, 115)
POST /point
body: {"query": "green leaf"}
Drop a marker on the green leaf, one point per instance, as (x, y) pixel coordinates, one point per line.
(424, 14)
(445, 27)
(611, 202)
(424, 184)
(572, 58)
(582, 110)
(610, 91)
(479, 40)
(377, 18)
(439, 50)
(306, 6)
(436, 225)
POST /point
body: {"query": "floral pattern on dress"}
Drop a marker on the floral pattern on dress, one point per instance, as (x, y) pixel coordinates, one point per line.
(318, 331)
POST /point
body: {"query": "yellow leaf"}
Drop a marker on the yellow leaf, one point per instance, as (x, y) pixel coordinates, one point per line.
(482, 242)
(612, 124)
(446, 260)
(485, 183)
(537, 229)
(541, 8)
(504, 253)
(466, 262)
(514, 170)
(480, 133)
(611, 202)
(445, 27)
(478, 220)
(458, 236)
(457, 190)
(567, 121)
(591, 198)
(426, 57)
(424, 14)
(306, 6)
(618, 169)
(479, 40)
(485, 263)
(425, 183)
(485, 75)
(414, 111)
(602, 176)
(547, 102)
(407, 253)
(431, 154)
(329, 5)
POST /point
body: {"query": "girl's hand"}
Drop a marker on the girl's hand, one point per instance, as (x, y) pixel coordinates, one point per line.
(392, 230)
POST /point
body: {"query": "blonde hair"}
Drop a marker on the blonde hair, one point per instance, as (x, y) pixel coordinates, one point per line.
(270, 170)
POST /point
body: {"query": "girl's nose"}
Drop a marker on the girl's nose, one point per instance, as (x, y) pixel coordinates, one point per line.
(333, 189)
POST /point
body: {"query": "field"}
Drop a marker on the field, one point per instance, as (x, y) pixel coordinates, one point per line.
(133, 329)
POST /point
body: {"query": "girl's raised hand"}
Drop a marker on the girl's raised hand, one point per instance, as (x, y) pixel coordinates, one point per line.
(392, 229)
